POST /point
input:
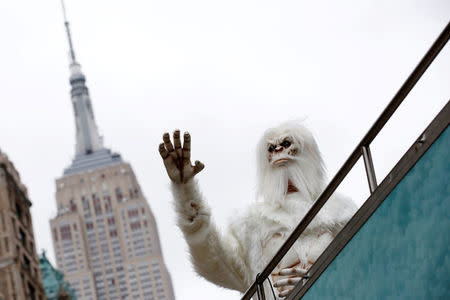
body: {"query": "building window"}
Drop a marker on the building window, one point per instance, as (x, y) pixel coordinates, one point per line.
(26, 262)
(107, 199)
(135, 225)
(119, 195)
(97, 204)
(133, 213)
(73, 205)
(134, 193)
(65, 232)
(23, 238)
(31, 291)
(89, 225)
(18, 211)
(85, 201)
(3, 220)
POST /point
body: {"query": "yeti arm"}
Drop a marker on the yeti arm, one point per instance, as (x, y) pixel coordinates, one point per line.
(215, 257)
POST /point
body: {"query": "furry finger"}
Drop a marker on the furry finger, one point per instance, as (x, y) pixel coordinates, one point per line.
(284, 293)
(187, 141)
(167, 142)
(177, 142)
(293, 271)
(287, 282)
(187, 147)
(198, 167)
(162, 150)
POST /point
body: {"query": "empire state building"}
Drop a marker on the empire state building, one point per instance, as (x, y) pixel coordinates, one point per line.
(104, 235)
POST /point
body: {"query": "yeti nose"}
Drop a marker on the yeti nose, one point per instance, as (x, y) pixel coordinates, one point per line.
(279, 149)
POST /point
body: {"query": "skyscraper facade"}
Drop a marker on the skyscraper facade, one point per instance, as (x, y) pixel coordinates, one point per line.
(105, 235)
(20, 276)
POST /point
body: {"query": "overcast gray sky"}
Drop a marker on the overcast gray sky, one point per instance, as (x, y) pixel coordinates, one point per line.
(225, 71)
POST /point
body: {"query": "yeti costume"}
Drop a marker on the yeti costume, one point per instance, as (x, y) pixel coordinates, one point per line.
(232, 259)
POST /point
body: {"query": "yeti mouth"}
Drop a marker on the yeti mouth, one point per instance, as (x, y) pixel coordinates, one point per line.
(280, 161)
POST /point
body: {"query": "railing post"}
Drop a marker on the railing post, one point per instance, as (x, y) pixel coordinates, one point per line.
(260, 288)
(370, 171)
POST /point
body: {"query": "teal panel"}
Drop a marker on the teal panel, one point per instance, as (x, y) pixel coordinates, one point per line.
(403, 250)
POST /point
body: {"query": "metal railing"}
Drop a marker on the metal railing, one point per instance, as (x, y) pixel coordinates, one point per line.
(363, 149)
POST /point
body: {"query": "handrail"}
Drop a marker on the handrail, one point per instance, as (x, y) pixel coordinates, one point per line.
(361, 149)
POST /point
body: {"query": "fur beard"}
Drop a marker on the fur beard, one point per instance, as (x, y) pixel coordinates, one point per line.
(302, 174)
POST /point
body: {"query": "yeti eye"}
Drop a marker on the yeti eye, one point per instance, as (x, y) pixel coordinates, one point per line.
(285, 144)
(271, 148)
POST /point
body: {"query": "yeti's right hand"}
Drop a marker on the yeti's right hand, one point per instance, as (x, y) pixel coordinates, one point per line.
(178, 160)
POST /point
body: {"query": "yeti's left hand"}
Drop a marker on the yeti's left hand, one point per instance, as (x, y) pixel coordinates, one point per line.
(178, 160)
(286, 285)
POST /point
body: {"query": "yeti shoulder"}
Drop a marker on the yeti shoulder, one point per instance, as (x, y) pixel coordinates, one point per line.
(339, 208)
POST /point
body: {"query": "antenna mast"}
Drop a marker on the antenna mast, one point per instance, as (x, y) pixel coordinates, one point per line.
(69, 37)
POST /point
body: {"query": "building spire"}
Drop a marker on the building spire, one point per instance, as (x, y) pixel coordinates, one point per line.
(69, 37)
(88, 139)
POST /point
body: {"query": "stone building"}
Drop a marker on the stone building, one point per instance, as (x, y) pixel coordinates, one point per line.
(20, 276)
(104, 235)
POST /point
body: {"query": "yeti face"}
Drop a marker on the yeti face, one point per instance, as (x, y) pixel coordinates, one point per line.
(281, 150)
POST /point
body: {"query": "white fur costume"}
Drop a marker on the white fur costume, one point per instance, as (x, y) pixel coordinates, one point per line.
(232, 259)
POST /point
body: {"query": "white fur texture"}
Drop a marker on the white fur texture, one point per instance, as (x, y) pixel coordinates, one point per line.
(233, 259)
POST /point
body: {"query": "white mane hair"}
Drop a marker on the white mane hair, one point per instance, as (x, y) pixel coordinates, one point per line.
(306, 170)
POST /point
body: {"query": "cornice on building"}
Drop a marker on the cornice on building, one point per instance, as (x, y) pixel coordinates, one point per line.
(14, 176)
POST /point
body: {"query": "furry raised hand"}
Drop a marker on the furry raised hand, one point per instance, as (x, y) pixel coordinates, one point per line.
(291, 176)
